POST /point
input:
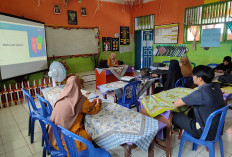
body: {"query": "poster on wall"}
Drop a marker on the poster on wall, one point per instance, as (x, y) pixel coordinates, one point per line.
(211, 37)
(166, 34)
(115, 44)
(124, 36)
(106, 40)
(72, 17)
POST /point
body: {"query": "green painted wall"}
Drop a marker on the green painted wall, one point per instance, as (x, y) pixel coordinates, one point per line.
(201, 56)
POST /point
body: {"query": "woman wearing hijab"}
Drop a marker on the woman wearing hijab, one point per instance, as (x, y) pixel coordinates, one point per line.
(226, 66)
(174, 74)
(185, 66)
(112, 60)
(69, 111)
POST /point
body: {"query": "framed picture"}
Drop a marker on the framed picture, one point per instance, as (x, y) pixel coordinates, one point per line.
(56, 9)
(83, 12)
(72, 17)
(124, 36)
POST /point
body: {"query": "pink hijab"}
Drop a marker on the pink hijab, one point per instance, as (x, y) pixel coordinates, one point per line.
(68, 105)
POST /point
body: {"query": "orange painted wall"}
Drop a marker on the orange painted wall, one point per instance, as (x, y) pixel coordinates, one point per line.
(109, 17)
(167, 12)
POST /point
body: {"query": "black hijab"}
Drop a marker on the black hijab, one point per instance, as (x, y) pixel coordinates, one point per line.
(225, 67)
(174, 74)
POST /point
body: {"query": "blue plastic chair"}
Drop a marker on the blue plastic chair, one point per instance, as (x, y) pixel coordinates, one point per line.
(166, 62)
(213, 65)
(136, 85)
(202, 141)
(193, 64)
(32, 107)
(47, 111)
(61, 152)
(128, 102)
(69, 138)
(182, 82)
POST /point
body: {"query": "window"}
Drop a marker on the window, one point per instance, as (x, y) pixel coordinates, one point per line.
(209, 16)
(193, 31)
(144, 22)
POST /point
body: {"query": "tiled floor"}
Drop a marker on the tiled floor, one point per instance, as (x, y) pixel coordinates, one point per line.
(14, 141)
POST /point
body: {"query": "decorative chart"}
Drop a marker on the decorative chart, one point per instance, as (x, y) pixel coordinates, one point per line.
(106, 40)
(115, 44)
(166, 34)
(124, 36)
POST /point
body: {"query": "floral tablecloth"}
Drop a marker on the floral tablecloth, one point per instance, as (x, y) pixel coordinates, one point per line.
(118, 72)
(163, 101)
(117, 87)
(115, 125)
(51, 94)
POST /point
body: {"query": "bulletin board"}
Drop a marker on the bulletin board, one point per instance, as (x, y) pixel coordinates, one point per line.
(72, 41)
(166, 34)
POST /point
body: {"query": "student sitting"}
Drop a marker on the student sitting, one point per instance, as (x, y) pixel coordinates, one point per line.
(226, 66)
(205, 100)
(173, 74)
(185, 66)
(69, 111)
(112, 60)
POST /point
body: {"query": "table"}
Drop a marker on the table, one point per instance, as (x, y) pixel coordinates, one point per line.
(116, 88)
(52, 93)
(163, 101)
(116, 125)
(112, 74)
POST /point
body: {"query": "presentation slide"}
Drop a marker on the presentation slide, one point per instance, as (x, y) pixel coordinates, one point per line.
(20, 44)
(22, 47)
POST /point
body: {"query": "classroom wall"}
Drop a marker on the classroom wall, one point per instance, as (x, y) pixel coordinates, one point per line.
(172, 11)
(109, 17)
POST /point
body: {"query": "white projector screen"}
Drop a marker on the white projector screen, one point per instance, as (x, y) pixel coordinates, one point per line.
(22, 47)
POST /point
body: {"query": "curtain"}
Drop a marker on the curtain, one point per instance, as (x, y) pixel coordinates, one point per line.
(195, 30)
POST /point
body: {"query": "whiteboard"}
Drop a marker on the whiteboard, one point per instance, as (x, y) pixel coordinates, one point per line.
(64, 42)
(166, 34)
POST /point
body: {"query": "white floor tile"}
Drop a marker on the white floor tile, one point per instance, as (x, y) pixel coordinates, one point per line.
(36, 147)
(39, 154)
(2, 150)
(37, 138)
(140, 153)
(21, 152)
(205, 153)
(12, 136)
(186, 152)
(190, 144)
(9, 130)
(14, 145)
(119, 151)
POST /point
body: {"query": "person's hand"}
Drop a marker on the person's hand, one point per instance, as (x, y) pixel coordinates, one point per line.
(99, 101)
(94, 102)
(154, 75)
(220, 71)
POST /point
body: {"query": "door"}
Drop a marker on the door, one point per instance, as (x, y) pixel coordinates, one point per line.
(138, 49)
(147, 48)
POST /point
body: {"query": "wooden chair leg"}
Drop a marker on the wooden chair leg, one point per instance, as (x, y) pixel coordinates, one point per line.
(180, 134)
(105, 96)
(127, 151)
(151, 148)
(169, 140)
